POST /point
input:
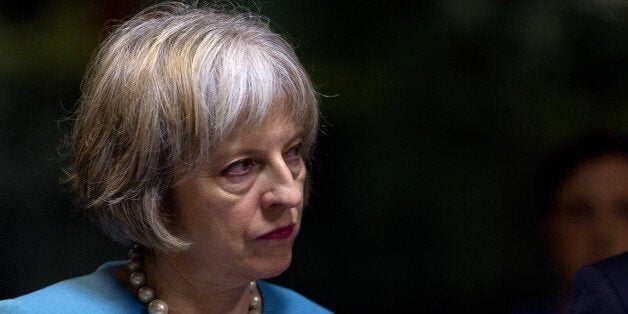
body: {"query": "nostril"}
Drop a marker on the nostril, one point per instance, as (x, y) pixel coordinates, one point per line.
(284, 187)
(288, 195)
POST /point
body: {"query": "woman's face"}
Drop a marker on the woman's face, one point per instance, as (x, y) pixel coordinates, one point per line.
(242, 212)
(589, 220)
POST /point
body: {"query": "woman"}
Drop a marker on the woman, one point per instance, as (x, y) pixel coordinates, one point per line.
(190, 143)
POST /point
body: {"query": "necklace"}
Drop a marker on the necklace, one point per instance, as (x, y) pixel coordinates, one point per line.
(146, 294)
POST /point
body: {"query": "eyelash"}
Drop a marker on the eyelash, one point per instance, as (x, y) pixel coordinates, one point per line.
(291, 156)
(230, 171)
(297, 152)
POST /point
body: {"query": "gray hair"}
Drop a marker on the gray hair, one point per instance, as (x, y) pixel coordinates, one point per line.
(161, 90)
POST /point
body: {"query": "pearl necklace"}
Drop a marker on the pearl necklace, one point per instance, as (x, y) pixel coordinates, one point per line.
(146, 294)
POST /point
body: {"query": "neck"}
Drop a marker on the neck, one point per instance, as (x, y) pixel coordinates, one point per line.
(186, 289)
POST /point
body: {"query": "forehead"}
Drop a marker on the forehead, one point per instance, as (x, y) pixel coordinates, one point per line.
(601, 180)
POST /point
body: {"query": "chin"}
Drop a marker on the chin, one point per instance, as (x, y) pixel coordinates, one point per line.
(275, 266)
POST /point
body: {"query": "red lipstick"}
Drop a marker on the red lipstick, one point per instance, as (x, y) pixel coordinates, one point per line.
(278, 234)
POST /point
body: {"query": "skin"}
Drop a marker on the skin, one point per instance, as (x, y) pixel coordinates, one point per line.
(589, 219)
(251, 184)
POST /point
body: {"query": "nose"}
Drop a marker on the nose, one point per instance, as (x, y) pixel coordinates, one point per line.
(284, 189)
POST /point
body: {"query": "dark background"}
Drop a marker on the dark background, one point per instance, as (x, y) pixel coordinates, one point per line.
(438, 115)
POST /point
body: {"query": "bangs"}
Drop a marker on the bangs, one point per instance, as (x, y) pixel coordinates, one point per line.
(253, 79)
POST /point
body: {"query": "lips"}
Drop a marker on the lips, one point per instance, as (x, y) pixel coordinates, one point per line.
(278, 234)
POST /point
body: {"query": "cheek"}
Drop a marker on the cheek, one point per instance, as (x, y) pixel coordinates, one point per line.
(568, 240)
(570, 249)
(620, 238)
(225, 215)
(567, 229)
(198, 209)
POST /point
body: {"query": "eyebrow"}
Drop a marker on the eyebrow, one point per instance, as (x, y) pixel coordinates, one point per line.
(220, 157)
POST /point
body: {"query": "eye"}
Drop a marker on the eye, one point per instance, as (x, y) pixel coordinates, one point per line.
(238, 168)
(294, 153)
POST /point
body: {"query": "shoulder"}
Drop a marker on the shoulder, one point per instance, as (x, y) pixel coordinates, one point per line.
(282, 300)
(615, 265)
(600, 287)
(97, 292)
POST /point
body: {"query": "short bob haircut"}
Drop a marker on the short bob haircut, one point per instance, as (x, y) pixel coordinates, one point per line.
(160, 91)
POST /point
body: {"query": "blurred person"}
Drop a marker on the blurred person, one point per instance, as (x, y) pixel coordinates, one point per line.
(190, 145)
(584, 190)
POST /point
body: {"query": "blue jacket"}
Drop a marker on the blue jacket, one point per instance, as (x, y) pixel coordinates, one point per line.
(601, 287)
(99, 292)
